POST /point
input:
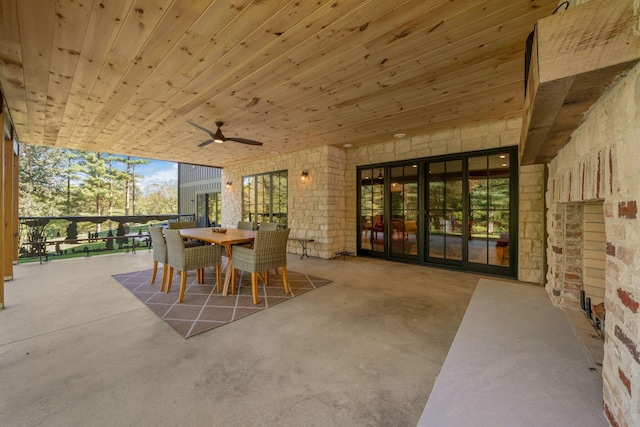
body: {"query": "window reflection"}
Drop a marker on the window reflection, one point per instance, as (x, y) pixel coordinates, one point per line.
(372, 223)
(264, 198)
(489, 200)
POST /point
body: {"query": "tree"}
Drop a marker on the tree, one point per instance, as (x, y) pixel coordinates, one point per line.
(130, 180)
(109, 243)
(159, 198)
(121, 240)
(41, 179)
(57, 182)
(72, 233)
(101, 183)
(70, 175)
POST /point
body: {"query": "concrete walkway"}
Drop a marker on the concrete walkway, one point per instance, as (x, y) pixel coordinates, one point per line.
(515, 361)
(78, 349)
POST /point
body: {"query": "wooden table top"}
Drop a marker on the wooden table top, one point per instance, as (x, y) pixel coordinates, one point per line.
(231, 237)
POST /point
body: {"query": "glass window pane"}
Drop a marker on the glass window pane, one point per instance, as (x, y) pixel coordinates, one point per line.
(264, 198)
(214, 209)
(403, 236)
(372, 224)
(248, 198)
(489, 201)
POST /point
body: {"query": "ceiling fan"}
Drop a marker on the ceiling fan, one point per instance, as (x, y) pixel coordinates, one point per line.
(219, 138)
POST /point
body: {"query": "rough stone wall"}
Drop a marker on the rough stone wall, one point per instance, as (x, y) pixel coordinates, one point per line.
(601, 162)
(481, 137)
(316, 207)
(531, 223)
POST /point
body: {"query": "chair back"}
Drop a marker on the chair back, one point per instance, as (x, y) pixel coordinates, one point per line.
(245, 225)
(268, 226)
(159, 244)
(175, 248)
(271, 248)
(410, 226)
(182, 224)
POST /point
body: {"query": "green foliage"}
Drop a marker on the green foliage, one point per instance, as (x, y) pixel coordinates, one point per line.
(72, 231)
(158, 198)
(55, 182)
(121, 232)
(109, 244)
(41, 178)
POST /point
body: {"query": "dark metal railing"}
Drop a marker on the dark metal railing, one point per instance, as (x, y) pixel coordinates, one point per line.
(42, 237)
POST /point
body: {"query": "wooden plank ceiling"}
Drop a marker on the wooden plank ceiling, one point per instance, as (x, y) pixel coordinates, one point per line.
(124, 76)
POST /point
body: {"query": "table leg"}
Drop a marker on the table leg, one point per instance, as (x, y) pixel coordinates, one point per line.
(229, 272)
(304, 249)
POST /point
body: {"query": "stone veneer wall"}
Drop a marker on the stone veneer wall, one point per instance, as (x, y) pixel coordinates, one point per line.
(324, 208)
(601, 162)
(316, 207)
(481, 137)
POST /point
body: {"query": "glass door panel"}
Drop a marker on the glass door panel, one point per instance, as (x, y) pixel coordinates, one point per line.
(201, 210)
(214, 210)
(403, 237)
(489, 201)
(445, 210)
(372, 223)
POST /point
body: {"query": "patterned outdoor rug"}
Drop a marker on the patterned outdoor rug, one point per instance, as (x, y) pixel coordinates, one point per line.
(203, 307)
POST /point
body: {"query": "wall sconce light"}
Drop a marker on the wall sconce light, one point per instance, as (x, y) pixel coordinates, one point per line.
(229, 184)
(304, 176)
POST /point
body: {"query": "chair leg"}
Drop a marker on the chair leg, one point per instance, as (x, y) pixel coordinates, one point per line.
(183, 285)
(254, 287)
(165, 270)
(285, 279)
(170, 279)
(266, 278)
(200, 275)
(234, 276)
(219, 277)
(155, 268)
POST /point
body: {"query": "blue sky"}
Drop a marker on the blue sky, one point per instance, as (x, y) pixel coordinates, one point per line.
(157, 171)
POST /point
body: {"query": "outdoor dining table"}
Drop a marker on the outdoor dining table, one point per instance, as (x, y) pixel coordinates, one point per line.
(227, 239)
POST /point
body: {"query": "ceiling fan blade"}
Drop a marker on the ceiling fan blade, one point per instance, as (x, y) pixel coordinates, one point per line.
(211, 134)
(207, 142)
(244, 141)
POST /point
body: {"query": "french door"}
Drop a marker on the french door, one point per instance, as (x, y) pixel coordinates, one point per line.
(446, 225)
(456, 211)
(208, 209)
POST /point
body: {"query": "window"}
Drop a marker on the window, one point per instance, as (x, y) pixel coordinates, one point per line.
(208, 209)
(264, 198)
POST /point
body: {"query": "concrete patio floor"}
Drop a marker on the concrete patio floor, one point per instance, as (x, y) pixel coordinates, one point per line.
(78, 349)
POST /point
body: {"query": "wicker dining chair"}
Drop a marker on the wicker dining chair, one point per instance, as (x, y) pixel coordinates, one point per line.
(269, 251)
(159, 254)
(268, 226)
(197, 258)
(246, 225)
(181, 225)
